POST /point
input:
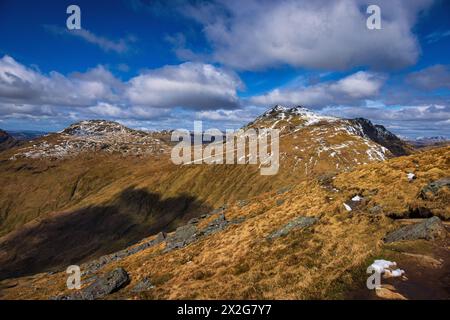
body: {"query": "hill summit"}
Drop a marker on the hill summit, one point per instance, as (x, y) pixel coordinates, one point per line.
(293, 120)
(93, 136)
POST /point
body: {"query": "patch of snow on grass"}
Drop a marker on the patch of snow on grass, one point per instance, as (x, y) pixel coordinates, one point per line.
(384, 266)
(347, 207)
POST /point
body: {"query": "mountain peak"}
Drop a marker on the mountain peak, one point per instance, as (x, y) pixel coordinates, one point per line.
(290, 116)
(279, 109)
(94, 136)
(95, 128)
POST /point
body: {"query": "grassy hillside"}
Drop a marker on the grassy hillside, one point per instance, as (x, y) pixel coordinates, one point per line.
(326, 260)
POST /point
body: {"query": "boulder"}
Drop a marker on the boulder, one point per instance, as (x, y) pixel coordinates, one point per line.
(107, 284)
(297, 223)
(433, 188)
(429, 229)
(183, 236)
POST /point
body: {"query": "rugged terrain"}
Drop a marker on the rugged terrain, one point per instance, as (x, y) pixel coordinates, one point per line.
(6, 141)
(308, 232)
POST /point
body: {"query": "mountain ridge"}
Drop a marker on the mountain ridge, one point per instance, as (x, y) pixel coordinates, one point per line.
(91, 185)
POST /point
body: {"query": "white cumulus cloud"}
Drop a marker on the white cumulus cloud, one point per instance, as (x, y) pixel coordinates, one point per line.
(322, 34)
(350, 90)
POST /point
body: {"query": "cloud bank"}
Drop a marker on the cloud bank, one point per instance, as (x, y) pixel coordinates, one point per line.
(97, 92)
(332, 35)
(351, 90)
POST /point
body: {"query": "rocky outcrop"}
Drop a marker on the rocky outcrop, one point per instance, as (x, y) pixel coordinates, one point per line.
(433, 188)
(143, 285)
(216, 225)
(94, 136)
(429, 229)
(297, 223)
(183, 236)
(103, 286)
(97, 264)
(382, 136)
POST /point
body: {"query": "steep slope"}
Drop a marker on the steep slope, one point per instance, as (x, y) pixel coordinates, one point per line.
(250, 252)
(6, 141)
(380, 135)
(290, 120)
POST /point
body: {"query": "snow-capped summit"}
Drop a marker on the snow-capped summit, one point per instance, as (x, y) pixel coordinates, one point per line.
(93, 136)
(303, 121)
(285, 117)
(275, 110)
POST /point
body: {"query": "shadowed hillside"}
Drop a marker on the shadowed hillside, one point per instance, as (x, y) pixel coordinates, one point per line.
(297, 243)
(71, 237)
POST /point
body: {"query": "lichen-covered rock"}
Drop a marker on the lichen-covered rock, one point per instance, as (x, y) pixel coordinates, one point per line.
(183, 236)
(297, 223)
(433, 188)
(429, 229)
(217, 224)
(109, 283)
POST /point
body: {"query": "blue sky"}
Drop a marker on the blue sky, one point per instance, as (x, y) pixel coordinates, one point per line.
(158, 64)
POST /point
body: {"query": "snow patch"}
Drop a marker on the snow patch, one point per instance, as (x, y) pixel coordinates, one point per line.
(385, 267)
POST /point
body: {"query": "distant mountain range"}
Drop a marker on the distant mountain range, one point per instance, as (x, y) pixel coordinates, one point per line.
(9, 139)
(422, 142)
(24, 135)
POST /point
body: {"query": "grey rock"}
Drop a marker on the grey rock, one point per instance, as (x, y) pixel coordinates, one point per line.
(217, 224)
(97, 264)
(89, 280)
(194, 221)
(220, 209)
(297, 223)
(429, 229)
(143, 285)
(375, 209)
(280, 202)
(109, 283)
(434, 187)
(183, 236)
